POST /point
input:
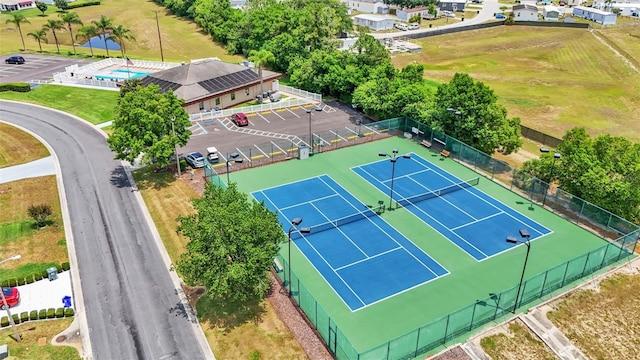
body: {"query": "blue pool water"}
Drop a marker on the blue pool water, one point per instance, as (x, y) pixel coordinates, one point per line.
(121, 74)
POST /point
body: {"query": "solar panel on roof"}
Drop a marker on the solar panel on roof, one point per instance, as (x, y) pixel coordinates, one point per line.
(229, 81)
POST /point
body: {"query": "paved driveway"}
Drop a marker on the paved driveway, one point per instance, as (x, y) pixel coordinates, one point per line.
(44, 294)
(36, 67)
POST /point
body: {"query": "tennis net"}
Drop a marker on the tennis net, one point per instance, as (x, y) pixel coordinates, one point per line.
(333, 224)
(437, 193)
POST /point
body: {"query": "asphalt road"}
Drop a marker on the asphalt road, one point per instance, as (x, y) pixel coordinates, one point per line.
(132, 307)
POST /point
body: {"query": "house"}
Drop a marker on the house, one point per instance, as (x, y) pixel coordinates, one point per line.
(367, 6)
(550, 13)
(452, 5)
(15, 5)
(52, 3)
(627, 9)
(374, 22)
(525, 12)
(405, 15)
(574, 2)
(597, 15)
(210, 83)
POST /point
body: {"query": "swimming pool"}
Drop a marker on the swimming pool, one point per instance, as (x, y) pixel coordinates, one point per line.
(120, 74)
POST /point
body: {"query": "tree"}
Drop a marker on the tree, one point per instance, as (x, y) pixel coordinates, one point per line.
(87, 33)
(143, 126)
(61, 4)
(42, 7)
(104, 25)
(232, 243)
(469, 112)
(120, 34)
(71, 18)
(54, 25)
(129, 86)
(39, 213)
(18, 19)
(40, 36)
(260, 58)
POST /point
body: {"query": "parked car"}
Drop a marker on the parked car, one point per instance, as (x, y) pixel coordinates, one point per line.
(500, 16)
(212, 155)
(240, 119)
(14, 60)
(400, 26)
(414, 26)
(448, 14)
(12, 295)
(194, 159)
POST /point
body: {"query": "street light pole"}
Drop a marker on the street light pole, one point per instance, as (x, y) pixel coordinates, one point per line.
(394, 159)
(524, 233)
(310, 133)
(232, 158)
(159, 37)
(305, 230)
(175, 145)
(6, 306)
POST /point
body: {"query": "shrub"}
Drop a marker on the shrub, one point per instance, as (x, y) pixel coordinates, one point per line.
(21, 281)
(16, 319)
(17, 87)
(66, 266)
(68, 312)
(77, 5)
(59, 267)
(51, 313)
(5, 283)
(37, 276)
(4, 322)
(59, 313)
(24, 316)
(42, 314)
(39, 213)
(33, 315)
(29, 279)
(44, 274)
(13, 282)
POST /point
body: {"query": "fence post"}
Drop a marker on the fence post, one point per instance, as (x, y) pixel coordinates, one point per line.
(544, 283)
(586, 262)
(564, 277)
(446, 330)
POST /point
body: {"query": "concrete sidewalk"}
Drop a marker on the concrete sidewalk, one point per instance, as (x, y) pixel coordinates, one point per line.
(41, 167)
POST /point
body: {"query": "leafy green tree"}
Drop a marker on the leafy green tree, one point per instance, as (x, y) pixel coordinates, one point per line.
(129, 86)
(104, 26)
(39, 213)
(120, 34)
(71, 18)
(260, 58)
(285, 47)
(86, 33)
(39, 35)
(18, 19)
(469, 112)
(143, 126)
(42, 7)
(232, 243)
(61, 4)
(53, 25)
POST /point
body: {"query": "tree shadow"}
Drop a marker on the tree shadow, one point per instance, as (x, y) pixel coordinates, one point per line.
(227, 314)
(149, 177)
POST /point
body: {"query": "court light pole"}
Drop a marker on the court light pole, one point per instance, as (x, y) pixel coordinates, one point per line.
(556, 156)
(303, 230)
(524, 233)
(310, 133)
(175, 146)
(394, 159)
(232, 158)
(6, 306)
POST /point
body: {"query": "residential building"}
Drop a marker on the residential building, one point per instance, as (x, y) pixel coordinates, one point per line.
(368, 6)
(550, 13)
(452, 5)
(596, 15)
(525, 12)
(405, 15)
(15, 5)
(374, 22)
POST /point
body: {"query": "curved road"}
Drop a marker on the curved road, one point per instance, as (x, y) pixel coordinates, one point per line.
(132, 307)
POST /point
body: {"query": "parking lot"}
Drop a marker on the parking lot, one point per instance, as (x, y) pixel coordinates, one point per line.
(277, 132)
(36, 67)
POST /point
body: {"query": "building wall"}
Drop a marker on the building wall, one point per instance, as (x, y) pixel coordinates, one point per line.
(525, 15)
(382, 24)
(231, 99)
(361, 6)
(17, 5)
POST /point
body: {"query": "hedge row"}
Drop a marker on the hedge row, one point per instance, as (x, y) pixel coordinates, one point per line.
(15, 86)
(76, 5)
(33, 277)
(38, 315)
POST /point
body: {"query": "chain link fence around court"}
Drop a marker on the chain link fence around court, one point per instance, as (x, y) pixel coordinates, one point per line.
(621, 235)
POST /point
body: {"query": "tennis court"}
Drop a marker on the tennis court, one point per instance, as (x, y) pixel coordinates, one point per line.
(471, 219)
(362, 257)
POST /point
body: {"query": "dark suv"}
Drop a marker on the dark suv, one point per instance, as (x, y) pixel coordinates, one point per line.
(14, 60)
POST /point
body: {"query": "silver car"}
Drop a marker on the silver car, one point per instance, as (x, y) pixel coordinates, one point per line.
(194, 159)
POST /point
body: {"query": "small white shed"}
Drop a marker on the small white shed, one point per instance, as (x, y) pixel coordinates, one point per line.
(550, 13)
(373, 22)
(525, 12)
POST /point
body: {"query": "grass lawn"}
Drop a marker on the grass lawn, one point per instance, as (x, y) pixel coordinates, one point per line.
(553, 79)
(97, 105)
(18, 147)
(627, 38)
(604, 324)
(247, 331)
(519, 344)
(182, 40)
(31, 332)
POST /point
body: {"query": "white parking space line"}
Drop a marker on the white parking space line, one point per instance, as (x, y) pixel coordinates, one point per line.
(264, 153)
(278, 115)
(293, 112)
(243, 154)
(281, 149)
(265, 119)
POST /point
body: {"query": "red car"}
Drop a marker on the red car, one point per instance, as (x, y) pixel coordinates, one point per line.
(240, 119)
(11, 295)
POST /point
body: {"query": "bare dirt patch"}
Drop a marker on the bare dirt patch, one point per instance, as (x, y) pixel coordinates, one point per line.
(518, 343)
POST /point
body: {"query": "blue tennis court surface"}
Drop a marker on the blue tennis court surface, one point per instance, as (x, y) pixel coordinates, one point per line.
(362, 257)
(471, 219)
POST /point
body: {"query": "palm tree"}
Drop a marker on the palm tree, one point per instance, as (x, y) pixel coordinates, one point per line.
(103, 25)
(54, 25)
(259, 58)
(87, 33)
(120, 34)
(71, 18)
(18, 19)
(39, 36)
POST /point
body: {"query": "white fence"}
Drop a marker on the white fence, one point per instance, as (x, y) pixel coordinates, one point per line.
(298, 92)
(250, 109)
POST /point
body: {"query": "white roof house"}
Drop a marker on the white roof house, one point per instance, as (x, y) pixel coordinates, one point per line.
(525, 12)
(627, 9)
(550, 13)
(597, 15)
(374, 22)
(368, 6)
(15, 5)
(405, 15)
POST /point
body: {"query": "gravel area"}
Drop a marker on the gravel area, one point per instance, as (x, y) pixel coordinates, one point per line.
(455, 353)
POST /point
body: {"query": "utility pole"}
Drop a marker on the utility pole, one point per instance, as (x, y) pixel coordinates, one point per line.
(159, 37)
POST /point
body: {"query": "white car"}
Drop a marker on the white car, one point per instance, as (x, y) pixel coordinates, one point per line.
(414, 26)
(402, 27)
(449, 14)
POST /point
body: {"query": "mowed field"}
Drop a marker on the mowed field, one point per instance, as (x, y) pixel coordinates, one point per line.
(182, 40)
(554, 79)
